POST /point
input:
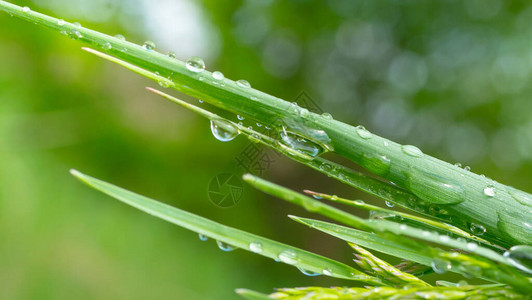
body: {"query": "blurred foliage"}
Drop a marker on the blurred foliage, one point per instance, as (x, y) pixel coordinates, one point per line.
(449, 76)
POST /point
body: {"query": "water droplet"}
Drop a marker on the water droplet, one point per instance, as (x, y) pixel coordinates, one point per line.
(26, 9)
(288, 257)
(359, 202)
(60, 22)
(521, 197)
(477, 229)
(489, 191)
(200, 101)
(223, 131)
(259, 124)
(106, 46)
(462, 283)
(402, 227)
(195, 64)
(389, 204)
(148, 45)
(171, 54)
(317, 197)
(240, 117)
(75, 34)
(203, 237)
(458, 165)
(327, 272)
(471, 246)
(363, 132)
(467, 168)
(327, 116)
(308, 273)
(520, 257)
(120, 37)
(255, 247)
(376, 163)
(434, 188)
(300, 144)
(243, 83)
(444, 238)
(218, 75)
(440, 266)
(77, 24)
(385, 143)
(225, 247)
(412, 150)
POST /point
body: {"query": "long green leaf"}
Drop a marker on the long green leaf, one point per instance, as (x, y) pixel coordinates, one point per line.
(234, 237)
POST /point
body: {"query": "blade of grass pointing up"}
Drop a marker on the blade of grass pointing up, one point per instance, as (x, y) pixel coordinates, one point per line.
(435, 182)
(230, 236)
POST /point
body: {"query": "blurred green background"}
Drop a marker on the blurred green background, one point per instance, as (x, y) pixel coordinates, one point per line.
(452, 77)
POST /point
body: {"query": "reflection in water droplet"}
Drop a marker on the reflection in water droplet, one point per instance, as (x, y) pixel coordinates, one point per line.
(434, 188)
(300, 144)
(288, 257)
(225, 247)
(489, 191)
(223, 131)
(521, 257)
(477, 229)
(195, 64)
(243, 83)
(308, 273)
(148, 45)
(203, 237)
(440, 266)
(412, 150)
(363, 132)
(255, 247)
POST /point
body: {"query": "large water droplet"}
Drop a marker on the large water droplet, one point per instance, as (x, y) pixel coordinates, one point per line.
(195, 64)
(218, 75)
(148, 45)
(308, 273)
(288, 257)
(412, 150)
(521, 257)
(363, 132)
(327, 115)
(225, 247)
(255, 247)
(203, 237)
(300, 144)
(376, 163)
(440, 266)
(327, 272)
(106, 46)
(489, 191)
(516, 225)
(240, 117)
(477, 229)
(223, 131)
(434, 188)
(389, 204)
(243, 83)
(120, 37)
(26, 9)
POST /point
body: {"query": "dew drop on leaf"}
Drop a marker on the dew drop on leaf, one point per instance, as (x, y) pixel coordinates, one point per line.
(412, 150)
(171, 54)
(300, 144)
(489, 191)
(26, 9)
(218, 75)
(434, 188)
(288, 257)
(308, 273)
(195, 64)
(327, 116)
(389, 204)
(203, 237)
(243, 83)
(363, 132)
(255, 247)
(327, 272)
(120, 37)
(520, 257)
(106, 46)
(225, 247)
(148, 45)
(223, 131)
(477, 229)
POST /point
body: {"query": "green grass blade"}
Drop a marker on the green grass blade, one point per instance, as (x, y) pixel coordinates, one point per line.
(234, 237)
(252, 295)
